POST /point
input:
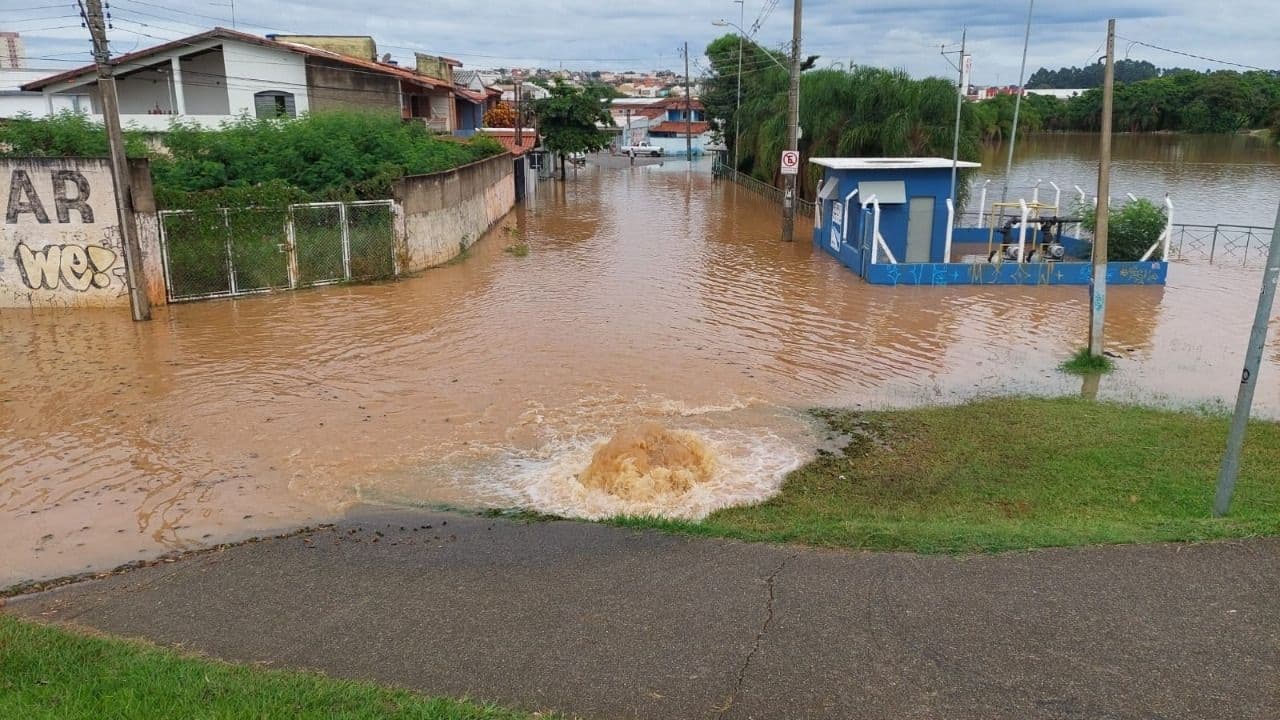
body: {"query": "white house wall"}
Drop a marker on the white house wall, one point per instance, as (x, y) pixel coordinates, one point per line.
(252, 69)
(204, 85)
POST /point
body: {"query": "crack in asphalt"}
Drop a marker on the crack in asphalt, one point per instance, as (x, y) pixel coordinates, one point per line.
(755, 647)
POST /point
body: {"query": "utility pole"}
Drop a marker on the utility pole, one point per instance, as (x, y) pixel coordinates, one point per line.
(688, 110)
(1249, 378)
(1098, 281)
(138, 302)
(960, 93)
(737, 105)
(793, 127)
(1017, 103)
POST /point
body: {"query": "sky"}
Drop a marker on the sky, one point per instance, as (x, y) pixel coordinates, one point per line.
(582, 34)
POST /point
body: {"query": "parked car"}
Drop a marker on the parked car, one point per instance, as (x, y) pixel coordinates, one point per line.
(642, 149)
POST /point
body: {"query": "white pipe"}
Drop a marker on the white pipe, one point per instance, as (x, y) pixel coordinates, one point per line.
(875, 231)
(844, 231)
(1132, 198)
(875, 249)
(951, 221)
(982, 205)
(1079, 209)
(1035, 194)
(1022, 229)
(1057, 197)
(1163, 240)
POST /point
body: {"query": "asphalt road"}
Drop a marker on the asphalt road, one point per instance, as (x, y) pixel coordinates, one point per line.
(607, 623)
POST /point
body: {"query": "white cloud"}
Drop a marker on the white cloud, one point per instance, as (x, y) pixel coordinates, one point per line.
(591, 34)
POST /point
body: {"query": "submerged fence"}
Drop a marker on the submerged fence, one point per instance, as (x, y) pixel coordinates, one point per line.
(759, 187)
(228, 252)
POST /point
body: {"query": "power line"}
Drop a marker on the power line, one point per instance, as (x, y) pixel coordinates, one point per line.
(1193, 55)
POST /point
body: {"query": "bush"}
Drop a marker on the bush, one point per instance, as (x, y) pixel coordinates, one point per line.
(66, 134)
(327, 156)
(1132, 228)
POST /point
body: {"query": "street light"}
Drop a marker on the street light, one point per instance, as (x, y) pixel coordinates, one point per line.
(737, 106)
(741, 34)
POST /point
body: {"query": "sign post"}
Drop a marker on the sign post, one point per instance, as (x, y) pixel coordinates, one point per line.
(790, 162)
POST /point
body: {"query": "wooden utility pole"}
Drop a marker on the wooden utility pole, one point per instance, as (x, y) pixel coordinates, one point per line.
(1098, 281)
(1249, 378)
(138, 302)
(688, 109)
(793, 128)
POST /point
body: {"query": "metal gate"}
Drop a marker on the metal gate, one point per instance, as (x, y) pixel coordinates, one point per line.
(228, 252)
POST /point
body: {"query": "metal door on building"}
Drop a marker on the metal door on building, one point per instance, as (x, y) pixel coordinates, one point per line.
(919, 230)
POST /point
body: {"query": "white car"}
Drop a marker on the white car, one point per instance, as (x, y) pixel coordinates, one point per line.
(642, 149)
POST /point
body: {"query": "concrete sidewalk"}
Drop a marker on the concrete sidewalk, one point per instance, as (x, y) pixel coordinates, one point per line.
(608, 623)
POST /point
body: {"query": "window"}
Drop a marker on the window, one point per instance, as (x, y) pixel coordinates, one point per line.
(274, 104)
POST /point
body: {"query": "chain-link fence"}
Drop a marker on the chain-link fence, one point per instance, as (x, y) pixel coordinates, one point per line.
(224, 252)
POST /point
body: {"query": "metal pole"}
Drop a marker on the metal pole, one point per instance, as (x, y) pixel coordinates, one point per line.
(737, 108)
(955, 141)
(1098, 281)
(688, 110)
(1017, 104)
(1249, 378)
(793, 127)
(139, 305)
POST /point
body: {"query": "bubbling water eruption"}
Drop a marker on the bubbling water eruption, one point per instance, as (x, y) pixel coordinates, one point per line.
(645, 461)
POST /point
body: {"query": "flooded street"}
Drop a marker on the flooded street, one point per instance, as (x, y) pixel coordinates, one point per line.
(650, 296)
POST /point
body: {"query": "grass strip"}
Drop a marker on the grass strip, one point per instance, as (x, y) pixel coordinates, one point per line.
(1011, 474)
(49, 672)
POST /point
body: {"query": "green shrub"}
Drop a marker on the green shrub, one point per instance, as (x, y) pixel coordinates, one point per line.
(65, 134)
(1132, 228)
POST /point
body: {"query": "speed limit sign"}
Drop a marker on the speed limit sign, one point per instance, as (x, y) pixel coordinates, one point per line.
(790, 162)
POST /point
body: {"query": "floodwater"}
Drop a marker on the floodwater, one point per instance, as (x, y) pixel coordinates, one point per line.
(656, 304)
(1212, 179)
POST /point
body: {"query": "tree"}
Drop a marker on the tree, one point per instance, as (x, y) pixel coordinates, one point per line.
(503, 115)
(568, 121)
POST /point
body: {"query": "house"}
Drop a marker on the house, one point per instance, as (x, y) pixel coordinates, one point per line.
(525, 154)
(221, 74)
(678, 118)
(15, 101)
(472, 99)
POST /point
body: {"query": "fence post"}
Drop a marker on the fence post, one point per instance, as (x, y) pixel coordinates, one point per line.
(346, 241)
(1213, 244)
(291, 237)
(231, 265)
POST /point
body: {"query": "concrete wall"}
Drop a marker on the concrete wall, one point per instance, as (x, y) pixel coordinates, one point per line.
(333, 86)
(60, 238)
(444, 213)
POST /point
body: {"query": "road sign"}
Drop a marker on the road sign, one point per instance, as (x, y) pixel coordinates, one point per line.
(790, 162)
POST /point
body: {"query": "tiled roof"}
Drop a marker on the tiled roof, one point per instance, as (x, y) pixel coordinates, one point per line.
(678, 127)
(221, 33)
(508, 140)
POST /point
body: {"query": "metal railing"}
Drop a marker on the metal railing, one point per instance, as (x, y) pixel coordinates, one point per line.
(760, 187)
(222, 252)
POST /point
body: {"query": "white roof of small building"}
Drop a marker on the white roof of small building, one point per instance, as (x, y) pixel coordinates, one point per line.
(932, 163)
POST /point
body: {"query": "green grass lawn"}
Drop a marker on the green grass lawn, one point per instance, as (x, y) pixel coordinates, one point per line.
(1009, 474)
(47, 672)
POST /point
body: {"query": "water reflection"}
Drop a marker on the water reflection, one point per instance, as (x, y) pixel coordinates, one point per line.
(651, 294)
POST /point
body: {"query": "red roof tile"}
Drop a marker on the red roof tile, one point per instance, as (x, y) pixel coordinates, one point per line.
(508, 140)
(678, 127)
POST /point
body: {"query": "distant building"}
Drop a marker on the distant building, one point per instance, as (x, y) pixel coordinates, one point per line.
(11, 53)
(1061, 94)
(219, 75)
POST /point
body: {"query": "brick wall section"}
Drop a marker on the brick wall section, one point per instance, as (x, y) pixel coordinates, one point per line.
(444, 213)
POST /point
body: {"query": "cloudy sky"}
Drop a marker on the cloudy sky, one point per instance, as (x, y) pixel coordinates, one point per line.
(584, 34)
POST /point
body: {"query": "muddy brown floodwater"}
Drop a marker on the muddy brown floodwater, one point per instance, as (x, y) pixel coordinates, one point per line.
(651, 296)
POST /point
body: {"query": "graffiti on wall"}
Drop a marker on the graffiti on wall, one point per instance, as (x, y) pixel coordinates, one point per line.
(77, 267)
(23, 197)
